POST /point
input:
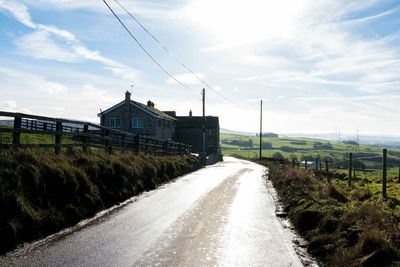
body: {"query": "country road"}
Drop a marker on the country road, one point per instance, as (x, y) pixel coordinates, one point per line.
(222, 215)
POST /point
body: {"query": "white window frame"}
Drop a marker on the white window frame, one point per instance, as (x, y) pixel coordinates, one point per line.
(137, 123)
(115, 123)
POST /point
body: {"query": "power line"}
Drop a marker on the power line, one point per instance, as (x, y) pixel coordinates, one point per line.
(173, 56)
(145, 50)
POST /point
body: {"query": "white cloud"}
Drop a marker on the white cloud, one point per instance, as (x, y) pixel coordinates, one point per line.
(186, 78)
(41, 45)
(144, 8)
(52, 88)
(9, 105)
(327, 50)
(51, 43)
(19, 11)
(12, 106)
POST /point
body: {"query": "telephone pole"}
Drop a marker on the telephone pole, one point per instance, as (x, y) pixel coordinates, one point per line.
(261, 129)
(204, 157)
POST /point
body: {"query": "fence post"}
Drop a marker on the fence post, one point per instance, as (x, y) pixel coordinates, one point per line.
(166, 144)
(316, 163)
(327, 171)
(57, 147)
(85, 137)
(179, 149)
(293, 163)
(384, 172)
(17, 131)
(298, 165)
(123, 141)
(399, 176)
(306, 164)
(107, 143)
(350, 168)
(137, 144)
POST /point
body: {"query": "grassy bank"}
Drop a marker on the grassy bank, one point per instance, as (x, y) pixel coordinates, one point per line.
(41, 193)
(345, 226)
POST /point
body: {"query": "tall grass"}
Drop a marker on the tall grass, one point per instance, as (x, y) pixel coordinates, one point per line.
(41, 193)
(344, 226)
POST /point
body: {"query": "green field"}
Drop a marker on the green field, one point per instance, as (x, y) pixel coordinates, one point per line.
(367, 159)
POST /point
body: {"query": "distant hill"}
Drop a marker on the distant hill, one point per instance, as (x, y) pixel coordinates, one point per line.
(227, 131)
(386, 141)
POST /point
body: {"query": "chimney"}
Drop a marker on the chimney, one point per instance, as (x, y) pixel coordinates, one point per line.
(127, 96)
(150, 104)
(190, 113)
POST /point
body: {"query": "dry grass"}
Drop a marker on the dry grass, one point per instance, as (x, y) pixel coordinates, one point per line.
(344, 226)
(41, 193)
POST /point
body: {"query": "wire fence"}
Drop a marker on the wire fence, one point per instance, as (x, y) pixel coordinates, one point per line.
(352, 164)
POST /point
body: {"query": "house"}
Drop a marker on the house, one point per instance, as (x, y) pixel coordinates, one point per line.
(189, 130)
(134, 117)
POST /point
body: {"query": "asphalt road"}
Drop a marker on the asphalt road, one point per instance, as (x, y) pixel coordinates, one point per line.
(222, 215)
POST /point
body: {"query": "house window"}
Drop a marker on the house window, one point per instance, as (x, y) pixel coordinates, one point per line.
(137, 123)
(115, 123)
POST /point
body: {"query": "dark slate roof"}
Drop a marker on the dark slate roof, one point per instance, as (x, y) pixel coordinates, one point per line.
(155, 111)
(170, 113)
(148, 109)
(197, 122)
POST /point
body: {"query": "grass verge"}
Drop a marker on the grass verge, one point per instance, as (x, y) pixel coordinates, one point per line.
(41, 193)
(345, 226)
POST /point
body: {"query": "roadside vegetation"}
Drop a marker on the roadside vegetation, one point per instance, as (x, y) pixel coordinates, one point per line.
(367, 159)
(344, 225)
(42, 193)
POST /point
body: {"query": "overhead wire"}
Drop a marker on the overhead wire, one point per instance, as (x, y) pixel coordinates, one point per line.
(173, 55)
(145, 50)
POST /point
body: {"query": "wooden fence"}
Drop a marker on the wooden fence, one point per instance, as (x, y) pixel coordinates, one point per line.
(72, 133)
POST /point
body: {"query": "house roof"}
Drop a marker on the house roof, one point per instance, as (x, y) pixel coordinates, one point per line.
(147, 109)
(197, 122)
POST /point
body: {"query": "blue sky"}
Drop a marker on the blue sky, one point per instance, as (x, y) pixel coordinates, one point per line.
(318, 65)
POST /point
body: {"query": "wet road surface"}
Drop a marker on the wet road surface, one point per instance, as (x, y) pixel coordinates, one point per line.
(222, 215)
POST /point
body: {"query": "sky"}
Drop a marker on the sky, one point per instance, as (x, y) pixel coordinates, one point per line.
(318, 66)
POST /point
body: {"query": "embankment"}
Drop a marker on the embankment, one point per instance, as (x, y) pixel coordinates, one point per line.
(344, 226)
(41, 193)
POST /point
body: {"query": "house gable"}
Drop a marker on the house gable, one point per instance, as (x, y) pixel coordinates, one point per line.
(149, 110)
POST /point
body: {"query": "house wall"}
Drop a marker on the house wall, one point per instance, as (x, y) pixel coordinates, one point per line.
(127, 111)
(194, 137)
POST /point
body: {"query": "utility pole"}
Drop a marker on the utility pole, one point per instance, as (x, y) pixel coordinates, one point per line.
(261, 129)
(204, 128)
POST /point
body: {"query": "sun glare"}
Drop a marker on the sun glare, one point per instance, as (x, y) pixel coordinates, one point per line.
(238, 22)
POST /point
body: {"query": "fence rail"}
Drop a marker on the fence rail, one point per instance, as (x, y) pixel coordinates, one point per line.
(59, 133)
(323, 165)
